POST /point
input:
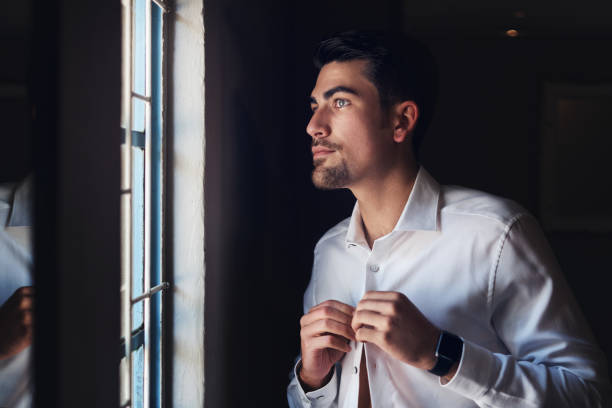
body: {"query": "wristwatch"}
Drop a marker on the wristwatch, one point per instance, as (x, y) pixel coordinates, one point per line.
(448, 352)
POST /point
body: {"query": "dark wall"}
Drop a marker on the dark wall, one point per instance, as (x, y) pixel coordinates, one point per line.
(15, 112)
(75, 76)
(264, 216)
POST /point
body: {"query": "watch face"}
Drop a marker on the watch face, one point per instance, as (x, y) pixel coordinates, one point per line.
(450, 346)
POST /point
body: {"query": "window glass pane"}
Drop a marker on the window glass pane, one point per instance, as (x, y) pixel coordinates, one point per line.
(156, 205)
(138, 114)
(138, 378)
(137, 233)
(139, 46)
(125, 66)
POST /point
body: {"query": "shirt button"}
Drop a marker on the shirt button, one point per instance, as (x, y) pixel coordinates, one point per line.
(374, 268)
(355, 369)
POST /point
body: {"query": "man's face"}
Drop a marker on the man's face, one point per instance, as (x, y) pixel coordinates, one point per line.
(351, 136)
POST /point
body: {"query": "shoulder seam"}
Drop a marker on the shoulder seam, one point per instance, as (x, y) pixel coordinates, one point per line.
(495, 265)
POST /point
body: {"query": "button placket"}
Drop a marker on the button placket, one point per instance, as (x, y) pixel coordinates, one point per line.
(357, 359)
(372, 263)
(372, 268)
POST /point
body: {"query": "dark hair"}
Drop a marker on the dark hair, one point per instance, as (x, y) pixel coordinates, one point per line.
(400, 67)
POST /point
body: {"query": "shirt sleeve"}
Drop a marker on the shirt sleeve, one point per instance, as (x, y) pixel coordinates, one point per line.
(553, 360)
(324, 397)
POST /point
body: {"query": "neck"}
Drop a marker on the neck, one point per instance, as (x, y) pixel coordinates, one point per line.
(381, 201)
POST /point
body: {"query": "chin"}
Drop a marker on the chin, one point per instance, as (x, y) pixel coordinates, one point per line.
(330, 178)
(321, 185)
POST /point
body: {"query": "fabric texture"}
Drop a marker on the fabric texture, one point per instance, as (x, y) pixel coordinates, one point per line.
(475, 265)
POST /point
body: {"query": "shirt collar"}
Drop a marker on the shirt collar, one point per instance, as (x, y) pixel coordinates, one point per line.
(419, 214)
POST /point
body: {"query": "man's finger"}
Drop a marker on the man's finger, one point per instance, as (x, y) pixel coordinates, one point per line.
(343, 307)
(27, 318)
(387, 307)
(369, 318)
(368, 335)
(26, 303)
(322, 327)
(325, 312)
(329, 341)
(381, 295)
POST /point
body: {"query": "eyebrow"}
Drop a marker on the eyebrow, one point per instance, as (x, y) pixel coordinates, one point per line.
(328, 94)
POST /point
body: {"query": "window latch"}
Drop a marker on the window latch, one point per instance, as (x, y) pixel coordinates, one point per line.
(151, 292)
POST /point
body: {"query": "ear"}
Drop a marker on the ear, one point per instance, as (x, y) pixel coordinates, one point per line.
(405, 117)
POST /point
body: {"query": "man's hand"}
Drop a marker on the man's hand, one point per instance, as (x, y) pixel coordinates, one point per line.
(325, 334)
(16, 322)
(393, 323)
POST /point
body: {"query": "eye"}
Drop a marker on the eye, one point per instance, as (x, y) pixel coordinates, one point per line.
(341, 103)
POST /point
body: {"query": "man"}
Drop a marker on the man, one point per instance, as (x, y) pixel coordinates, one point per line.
(16, 295)
(428, 295)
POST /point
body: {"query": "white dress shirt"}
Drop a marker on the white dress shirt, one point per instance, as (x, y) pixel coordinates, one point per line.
(475, 265)
(16, 379)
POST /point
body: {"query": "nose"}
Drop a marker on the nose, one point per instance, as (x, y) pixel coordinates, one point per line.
(318, 125)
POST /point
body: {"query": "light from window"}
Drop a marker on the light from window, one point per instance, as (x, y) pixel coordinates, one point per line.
(141, 203)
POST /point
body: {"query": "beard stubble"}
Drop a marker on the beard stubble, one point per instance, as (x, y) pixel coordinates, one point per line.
(330, 177)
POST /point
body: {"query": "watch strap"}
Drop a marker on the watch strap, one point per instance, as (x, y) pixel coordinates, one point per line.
(448, 351)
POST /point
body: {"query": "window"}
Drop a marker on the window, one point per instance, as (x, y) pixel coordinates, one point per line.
(142, 153)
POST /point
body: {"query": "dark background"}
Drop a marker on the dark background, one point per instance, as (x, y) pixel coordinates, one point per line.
(263, 215)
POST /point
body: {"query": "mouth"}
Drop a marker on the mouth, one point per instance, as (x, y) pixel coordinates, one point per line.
(320, 152)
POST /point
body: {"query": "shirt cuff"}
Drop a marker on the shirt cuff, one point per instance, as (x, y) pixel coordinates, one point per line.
(320, 397)
(475, 371)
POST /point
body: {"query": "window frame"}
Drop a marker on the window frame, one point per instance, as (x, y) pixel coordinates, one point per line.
(149, 333)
